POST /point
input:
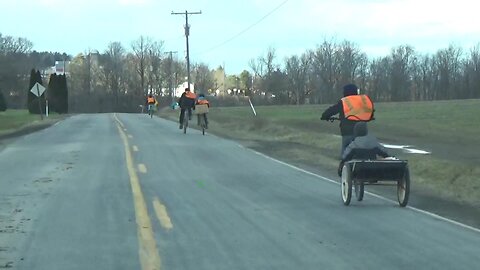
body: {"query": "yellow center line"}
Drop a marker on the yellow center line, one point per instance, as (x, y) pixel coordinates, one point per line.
(142, 168)
(148, 252)
(162, 214)
(135, 148)
(118, 121)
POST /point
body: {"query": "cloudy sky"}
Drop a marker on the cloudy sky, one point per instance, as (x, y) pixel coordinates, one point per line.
(233, 32)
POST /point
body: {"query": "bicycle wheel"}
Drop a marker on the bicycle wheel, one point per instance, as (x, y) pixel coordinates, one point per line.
(359, 190)
(202, 124)
(185, 123)
(403, 188)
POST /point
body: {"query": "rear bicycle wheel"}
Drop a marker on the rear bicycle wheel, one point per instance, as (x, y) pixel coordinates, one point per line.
(403, 188)
(202, 124)
(185, 123)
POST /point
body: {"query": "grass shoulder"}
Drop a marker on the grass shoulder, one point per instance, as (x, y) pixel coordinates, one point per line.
(296, 134)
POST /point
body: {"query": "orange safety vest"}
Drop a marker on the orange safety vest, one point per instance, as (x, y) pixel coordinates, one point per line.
(358, 108)
(190, 95)
(150, 100)
(202, 101)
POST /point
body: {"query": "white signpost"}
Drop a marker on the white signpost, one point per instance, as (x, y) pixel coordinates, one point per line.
(38, 90)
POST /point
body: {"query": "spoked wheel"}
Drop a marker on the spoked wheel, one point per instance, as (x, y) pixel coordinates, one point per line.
(202, 124)
(359, 190)
(185, 122)
(403, 188)
(346, 184)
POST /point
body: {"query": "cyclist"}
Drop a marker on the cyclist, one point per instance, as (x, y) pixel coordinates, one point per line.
(186, 102)
(351, 109)
(202, 101)
(151, 101)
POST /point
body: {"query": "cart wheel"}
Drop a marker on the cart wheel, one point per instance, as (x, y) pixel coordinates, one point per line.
(346, 184)
(359, 190)
(403, 188)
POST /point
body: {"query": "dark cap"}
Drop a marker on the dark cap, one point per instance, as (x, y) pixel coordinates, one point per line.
(350, 90)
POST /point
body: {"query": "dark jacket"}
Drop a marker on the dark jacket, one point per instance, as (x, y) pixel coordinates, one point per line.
(186, 103)
(346, 126)
(364, 146)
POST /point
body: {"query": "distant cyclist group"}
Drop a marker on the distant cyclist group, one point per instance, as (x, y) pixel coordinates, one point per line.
(187, 102)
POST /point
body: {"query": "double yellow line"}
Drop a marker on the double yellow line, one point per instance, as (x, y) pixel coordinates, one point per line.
(148, 252)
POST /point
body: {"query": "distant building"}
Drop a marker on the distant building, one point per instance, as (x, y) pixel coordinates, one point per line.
(61, 67)
(181, 88)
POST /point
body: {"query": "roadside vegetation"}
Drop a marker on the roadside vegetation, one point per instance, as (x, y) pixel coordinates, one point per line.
(15, 120)
(295, 134)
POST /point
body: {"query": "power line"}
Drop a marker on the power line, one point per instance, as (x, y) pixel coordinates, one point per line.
(245, 30)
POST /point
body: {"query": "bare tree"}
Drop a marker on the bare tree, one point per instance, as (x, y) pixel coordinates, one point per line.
(326, 67)
(155, 78)
(448, 63)
(401, 75)
(141, 48)
(203, 78)
(113, 69)
(472, 73)
(296, 69)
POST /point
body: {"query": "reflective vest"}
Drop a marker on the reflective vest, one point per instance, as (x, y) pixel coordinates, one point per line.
(190, 95)
(358, 108)
(150, 100)
(202, 101)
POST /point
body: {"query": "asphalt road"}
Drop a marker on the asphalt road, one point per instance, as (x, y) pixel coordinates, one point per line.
(129, 192)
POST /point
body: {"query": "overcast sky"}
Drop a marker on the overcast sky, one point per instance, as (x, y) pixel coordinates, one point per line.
(294, 26)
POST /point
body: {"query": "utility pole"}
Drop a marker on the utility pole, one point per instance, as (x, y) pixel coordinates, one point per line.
(187, 33)
(172, 94)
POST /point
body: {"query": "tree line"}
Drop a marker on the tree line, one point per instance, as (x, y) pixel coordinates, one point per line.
(119, 78)
(17, 59)
(317, 75)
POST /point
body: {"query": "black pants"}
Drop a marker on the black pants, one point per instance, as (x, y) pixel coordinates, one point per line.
(182, 114)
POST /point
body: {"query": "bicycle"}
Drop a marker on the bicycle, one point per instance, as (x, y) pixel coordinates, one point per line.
(201, 111)
(203, 124)
(186, 117)
(150, 110)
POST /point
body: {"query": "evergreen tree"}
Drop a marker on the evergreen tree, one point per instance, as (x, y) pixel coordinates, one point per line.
(32, 99)
(3, 102)
(53, 93)
(63, 94)
(30, 96)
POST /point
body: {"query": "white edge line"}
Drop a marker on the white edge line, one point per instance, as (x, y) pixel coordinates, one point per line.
(337, 183)
(372, 194)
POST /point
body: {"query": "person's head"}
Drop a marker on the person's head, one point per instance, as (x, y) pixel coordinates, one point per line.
(187, 89)
(360, 129)
(150, 95)
(350, 90)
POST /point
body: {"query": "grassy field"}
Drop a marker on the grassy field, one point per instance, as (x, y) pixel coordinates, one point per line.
(12, 120)
(295, 133)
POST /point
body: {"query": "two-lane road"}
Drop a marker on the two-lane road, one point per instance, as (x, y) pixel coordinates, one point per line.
(129, 192)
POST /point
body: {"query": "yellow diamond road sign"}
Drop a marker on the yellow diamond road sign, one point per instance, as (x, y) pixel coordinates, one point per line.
(37, 89)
